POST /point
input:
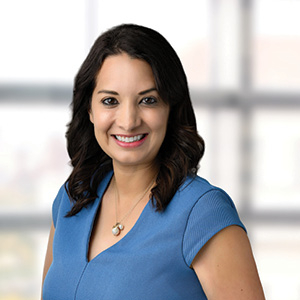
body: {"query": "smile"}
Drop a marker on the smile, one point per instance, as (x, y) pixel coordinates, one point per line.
(131, 139)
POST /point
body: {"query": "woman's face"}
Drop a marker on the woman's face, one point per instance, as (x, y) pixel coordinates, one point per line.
(130, 119)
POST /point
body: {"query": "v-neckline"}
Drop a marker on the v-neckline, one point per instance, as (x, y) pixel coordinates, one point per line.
(96, 207)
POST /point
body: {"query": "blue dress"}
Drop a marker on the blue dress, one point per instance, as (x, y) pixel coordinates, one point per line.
(151, 262)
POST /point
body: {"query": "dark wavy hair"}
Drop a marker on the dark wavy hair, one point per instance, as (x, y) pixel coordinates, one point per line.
(182, 147)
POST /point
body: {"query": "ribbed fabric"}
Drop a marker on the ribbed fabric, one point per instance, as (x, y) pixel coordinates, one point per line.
(150, 262)
(216, 211)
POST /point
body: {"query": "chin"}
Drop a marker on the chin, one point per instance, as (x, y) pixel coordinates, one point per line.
(126, 161)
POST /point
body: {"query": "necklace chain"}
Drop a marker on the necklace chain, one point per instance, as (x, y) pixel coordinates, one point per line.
(118, 227)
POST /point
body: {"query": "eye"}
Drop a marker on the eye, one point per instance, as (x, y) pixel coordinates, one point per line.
(149, 100)
(110, 101)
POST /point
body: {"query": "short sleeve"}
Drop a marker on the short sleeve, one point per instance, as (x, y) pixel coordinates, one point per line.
(212, 212)
(56, 205)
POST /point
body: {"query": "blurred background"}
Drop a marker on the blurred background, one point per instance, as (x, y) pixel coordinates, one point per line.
(243, 66)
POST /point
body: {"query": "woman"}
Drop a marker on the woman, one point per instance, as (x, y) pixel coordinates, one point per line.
(133, 220)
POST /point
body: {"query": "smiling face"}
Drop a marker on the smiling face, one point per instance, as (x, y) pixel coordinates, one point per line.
(130, 119)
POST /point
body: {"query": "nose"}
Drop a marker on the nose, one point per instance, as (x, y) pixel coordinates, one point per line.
(129, 116)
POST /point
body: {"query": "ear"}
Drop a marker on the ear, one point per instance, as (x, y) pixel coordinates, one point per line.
(91, 115)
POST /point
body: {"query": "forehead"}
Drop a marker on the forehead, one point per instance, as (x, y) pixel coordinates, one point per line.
(123, 68)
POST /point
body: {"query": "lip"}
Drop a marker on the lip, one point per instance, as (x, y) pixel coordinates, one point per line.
(133, 144)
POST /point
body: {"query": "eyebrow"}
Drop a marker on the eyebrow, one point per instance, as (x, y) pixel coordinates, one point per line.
(108, 92)
(116, 94)
(147, 91)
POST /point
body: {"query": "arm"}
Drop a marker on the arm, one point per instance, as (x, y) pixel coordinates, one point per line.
(226, 268)
(48, 259)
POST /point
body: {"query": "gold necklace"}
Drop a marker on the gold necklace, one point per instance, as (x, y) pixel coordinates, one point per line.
(118, 227)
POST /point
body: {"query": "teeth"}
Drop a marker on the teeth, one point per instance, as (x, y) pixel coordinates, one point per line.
(129, 139)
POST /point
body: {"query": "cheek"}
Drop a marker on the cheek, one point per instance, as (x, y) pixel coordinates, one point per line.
(159, 125)
(162, 120)
(101, 128)
(102, 122)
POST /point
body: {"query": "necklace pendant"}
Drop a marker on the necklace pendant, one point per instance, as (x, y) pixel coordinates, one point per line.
(116, 230)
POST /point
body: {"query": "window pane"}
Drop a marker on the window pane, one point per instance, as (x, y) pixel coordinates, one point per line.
(276, 250)
(33, 158)
(276, 164)
(41, 41)
(221, 163)
(21, 258)
(276, 45)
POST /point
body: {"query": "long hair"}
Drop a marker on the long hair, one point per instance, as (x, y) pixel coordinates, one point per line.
(182, 147)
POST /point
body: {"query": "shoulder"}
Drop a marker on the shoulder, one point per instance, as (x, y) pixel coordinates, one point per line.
(61, 200)
(63, 204)
(197, 189)
(209, 210)
(197, 196)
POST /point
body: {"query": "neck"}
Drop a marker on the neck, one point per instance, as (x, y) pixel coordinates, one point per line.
(131, 182)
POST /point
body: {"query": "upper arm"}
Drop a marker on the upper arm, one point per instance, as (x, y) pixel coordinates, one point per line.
(226, 268)
(49, 253)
